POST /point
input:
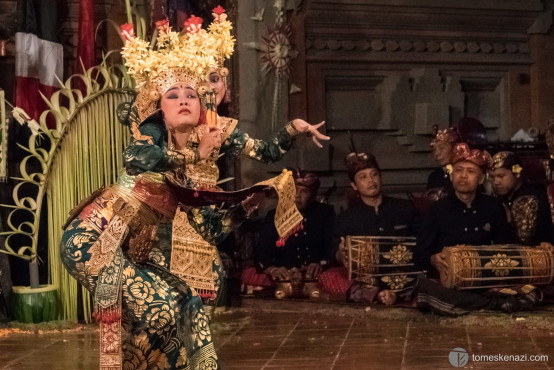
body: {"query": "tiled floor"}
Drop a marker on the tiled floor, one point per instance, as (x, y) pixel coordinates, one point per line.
(322, 341)
(316, 339)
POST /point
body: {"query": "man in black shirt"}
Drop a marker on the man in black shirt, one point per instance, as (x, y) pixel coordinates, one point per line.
(464, 217)
(373, 214)
(529, 209)
(308, 251)
(311, 248)
(438, 181)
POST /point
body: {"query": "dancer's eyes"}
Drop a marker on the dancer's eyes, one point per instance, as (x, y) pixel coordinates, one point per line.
(171, 96)
(214, 79)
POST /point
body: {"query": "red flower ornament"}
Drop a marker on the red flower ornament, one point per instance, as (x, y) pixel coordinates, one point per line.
(127, 31)
(193, 24)
(218, 10)
(163, 25)
(219, 14)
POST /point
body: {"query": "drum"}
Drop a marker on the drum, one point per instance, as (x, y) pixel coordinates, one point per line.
(494, 266)
(383, 261)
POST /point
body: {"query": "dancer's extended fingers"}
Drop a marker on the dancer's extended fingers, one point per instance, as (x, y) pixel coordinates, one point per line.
(316, 142)
(319, 125)
(320, 136)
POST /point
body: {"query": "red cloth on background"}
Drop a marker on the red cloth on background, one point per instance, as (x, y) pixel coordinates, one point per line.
(85, 48)
(27, 97)
(335, 281)
(251, 277)
(38, 55)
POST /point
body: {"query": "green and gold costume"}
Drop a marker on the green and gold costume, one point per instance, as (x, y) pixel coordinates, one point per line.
(163, 320)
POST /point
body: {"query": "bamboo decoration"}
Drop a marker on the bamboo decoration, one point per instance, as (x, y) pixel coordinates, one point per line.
(83, 152)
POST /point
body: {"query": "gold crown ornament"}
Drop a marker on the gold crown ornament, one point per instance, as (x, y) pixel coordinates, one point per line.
(174, 57)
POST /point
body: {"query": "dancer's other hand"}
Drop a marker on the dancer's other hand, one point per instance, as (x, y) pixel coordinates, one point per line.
(209, 141)
(312, 130)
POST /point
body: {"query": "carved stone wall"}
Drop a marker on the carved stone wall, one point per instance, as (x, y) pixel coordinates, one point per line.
(388, 71)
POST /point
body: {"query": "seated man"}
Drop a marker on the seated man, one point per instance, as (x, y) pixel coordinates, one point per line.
(464, 217)
(374, 214)
(529, 210)
(307, 252)
(443, 145)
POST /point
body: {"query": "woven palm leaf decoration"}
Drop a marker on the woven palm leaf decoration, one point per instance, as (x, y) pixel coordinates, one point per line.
(82, 153)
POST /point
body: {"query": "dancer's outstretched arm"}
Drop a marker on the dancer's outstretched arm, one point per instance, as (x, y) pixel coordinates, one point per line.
(272, 150)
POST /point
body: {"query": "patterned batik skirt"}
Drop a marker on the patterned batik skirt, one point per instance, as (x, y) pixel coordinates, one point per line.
(163, 321)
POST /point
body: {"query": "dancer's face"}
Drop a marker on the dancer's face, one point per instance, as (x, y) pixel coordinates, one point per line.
(218, 83)
(181, 107)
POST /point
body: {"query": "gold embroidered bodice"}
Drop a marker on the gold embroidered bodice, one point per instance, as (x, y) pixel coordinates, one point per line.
(205, 173)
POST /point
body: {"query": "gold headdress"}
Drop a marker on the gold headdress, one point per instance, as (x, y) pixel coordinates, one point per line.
(481, 158)
(449, 134)
(507, 160)
(175, 57)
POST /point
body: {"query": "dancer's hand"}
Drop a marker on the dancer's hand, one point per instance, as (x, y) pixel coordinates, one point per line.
(209, 141)
(304, 127)
(252, 202)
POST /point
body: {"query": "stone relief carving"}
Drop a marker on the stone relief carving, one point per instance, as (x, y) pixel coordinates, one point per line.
(419, 46)
(406, 105)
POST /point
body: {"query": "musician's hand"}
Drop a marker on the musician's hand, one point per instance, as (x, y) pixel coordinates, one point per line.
(313, 271)
(341, 252)
(209, 141)
(304, 127)
(387, 297)
(277, 273)
(439, 261)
